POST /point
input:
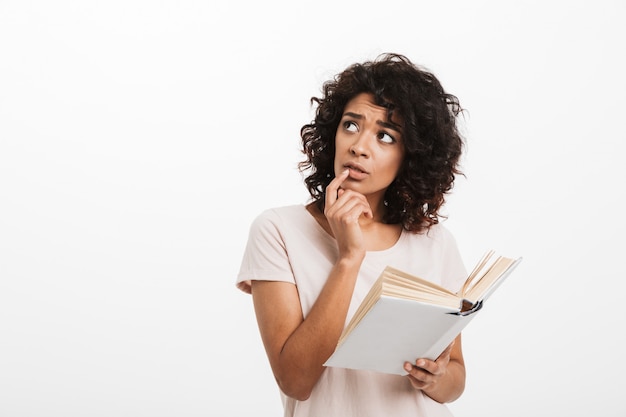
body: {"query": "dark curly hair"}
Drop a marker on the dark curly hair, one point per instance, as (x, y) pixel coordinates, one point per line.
(433, 144)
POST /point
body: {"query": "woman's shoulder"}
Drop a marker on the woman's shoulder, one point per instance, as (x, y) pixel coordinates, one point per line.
(282, 212)
(280, 216)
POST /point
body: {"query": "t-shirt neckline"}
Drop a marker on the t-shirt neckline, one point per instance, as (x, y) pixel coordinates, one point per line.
(327, 236)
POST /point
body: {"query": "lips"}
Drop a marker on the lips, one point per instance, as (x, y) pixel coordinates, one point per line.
(356, 167)
(357, 171)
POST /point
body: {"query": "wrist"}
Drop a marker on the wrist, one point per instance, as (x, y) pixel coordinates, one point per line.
(350, 262)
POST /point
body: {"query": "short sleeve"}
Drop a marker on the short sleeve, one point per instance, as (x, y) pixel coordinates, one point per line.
(265, 256)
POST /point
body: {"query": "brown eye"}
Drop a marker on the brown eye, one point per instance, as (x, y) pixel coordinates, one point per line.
(386, 137)
(350, 126)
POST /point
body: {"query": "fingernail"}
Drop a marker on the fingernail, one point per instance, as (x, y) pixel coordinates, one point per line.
(408, 366)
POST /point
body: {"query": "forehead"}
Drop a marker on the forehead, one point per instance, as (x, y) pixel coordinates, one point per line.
(365, 101)
(365, 105)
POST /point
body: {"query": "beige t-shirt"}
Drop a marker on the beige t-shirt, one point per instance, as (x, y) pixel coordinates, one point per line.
(287, 244)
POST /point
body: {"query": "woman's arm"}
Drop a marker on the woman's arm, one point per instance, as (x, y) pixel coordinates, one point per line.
(297, 347)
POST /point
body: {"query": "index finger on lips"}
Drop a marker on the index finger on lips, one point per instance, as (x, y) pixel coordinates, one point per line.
(333, 187)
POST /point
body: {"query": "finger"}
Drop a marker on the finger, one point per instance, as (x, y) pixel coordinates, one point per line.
(333, 187)
(428, 366)
(349, 206)
(416, 383)
(417, 375)
(350, 195)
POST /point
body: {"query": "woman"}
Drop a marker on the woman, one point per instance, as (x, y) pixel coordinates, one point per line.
(381, 154)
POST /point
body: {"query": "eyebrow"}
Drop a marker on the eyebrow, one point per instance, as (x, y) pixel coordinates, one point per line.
(388, 125)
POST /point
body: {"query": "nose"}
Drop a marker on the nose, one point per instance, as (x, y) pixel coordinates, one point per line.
(359, 147)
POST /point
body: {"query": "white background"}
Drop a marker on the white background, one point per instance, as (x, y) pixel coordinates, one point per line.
(138, 139)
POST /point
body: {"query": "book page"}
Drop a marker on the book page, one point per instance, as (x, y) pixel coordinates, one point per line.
(475, 272)
(399, 284)
(495, 271)
(401, 279)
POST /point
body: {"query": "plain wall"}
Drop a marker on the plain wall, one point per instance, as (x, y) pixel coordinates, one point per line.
(138, 140)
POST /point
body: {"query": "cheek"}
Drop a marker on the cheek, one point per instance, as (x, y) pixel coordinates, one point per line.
(394, 164)
(341, 142)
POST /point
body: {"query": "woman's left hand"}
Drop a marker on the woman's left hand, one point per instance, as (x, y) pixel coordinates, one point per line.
(425, 374)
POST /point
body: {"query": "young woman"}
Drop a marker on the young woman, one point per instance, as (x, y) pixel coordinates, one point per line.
(381, 154)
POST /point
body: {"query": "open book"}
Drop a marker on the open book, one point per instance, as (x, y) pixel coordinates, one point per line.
(404, 317)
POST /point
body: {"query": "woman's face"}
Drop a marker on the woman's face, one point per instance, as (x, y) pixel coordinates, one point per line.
(369, 145)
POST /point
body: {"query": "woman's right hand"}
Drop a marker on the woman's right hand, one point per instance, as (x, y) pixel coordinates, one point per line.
(343, 209)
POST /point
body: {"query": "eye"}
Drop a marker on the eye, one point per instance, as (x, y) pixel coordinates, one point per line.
(386, 138)
(350, 126)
